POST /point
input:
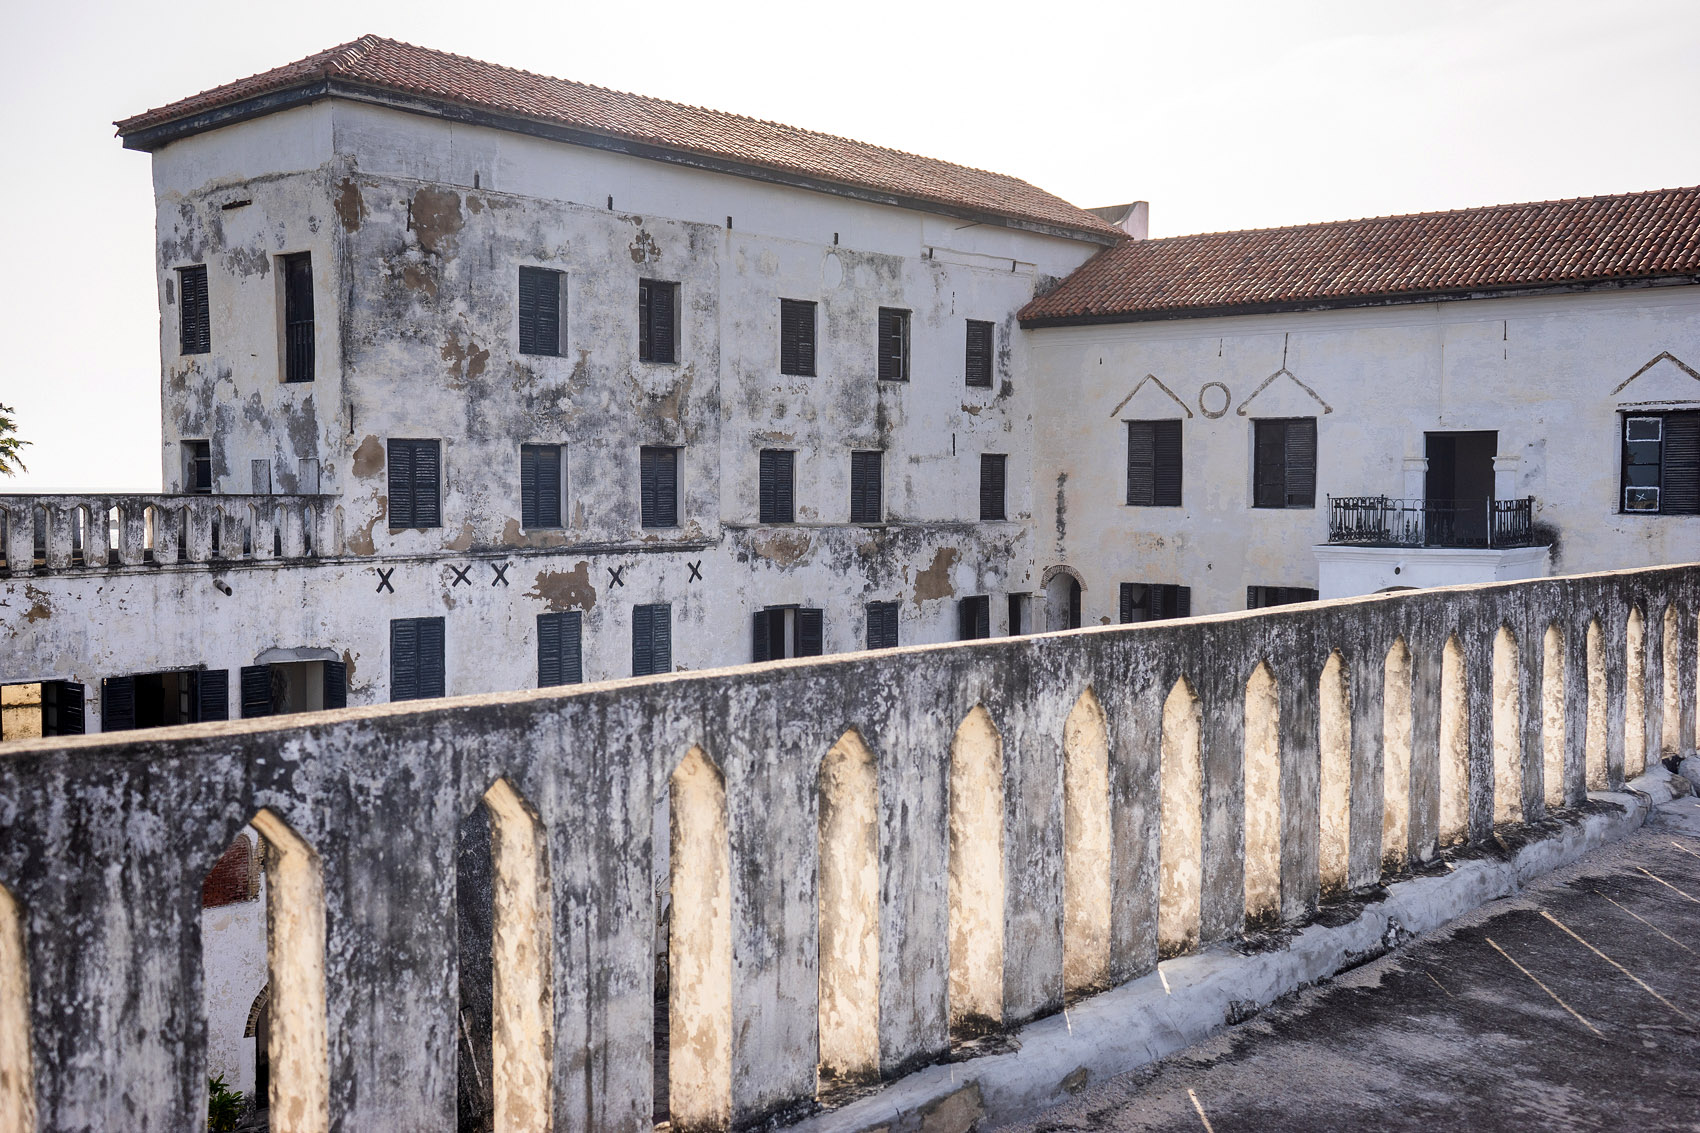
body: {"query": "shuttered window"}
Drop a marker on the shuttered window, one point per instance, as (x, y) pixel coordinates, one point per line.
(1661, 463)
(797, 337)
(415, 484)
(992, 466)
(978, 365)
(1017, 614)
(658, 322)
(652, 639)
(539, 311)
(810, 628)
(212, 694)
(882, 625)
(539, 486)
(336, 684)
(61, 708)
(865, 487)
(658, 487)
(1262, 597)
(974, 617)
(117, 704)
(197, 467)
(893, 345)
(1154, 463)
(298, 318)
(560, 654)
(255, 686)
(1154, 601)
(778, 484)
(416, 658)
(194, 317)
(1284, 463)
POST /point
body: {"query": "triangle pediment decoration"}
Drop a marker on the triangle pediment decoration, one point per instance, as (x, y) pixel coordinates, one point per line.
(1158, 382)
(1290, 376)
(1662, 356)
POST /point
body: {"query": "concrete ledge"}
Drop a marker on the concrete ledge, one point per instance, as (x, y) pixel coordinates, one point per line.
(1192, 997)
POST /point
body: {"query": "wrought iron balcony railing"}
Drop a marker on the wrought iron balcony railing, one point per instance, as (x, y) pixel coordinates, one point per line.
(1381, 521)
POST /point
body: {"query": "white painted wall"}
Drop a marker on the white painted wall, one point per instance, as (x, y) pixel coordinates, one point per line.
(233, 970)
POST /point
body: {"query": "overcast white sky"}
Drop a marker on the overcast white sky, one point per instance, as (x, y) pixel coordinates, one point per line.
(1221, 114)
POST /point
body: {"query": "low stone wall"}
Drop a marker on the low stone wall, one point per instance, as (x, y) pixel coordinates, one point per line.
(873, 855)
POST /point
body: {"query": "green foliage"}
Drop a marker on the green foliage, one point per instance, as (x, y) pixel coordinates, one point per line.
(11, 459)
(224, 1106)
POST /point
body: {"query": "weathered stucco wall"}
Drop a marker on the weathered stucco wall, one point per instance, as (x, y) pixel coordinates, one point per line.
(104, 840)
(1544, 372)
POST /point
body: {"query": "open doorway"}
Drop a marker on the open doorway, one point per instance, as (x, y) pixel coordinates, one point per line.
(1458, 489)
(160, 700)
(1062, 599)
(45, 708)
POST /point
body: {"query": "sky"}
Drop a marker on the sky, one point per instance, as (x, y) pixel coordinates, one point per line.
(1221, 114)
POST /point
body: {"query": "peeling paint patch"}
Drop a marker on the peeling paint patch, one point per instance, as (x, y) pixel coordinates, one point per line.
(41, 609)
(644, 248)
(350, 206)
(369, 457)
(786, 548)
(418, 277)
(436, 218)
(461, 542)
(360, 539)
(348, 659)
(565, 590)
(468, 358)
(934, 582)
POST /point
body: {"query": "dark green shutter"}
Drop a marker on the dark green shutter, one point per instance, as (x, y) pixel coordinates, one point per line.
(658, 476)
(539, 311)
(992, 486)
(662, 325)
(255, 683)
(427, 485)
(761, 648)
(432, 675)
(528, 486)
(212, 694)
(1183, 601)
(865, 487)
(193, 311)
(416, 658)
(1301, 463)
(559, 649)
(336, 684)
(643, 322)
(978, 364)
(1166, 463)
(893, 344)
(1127, 602)
(796, 337)
(1269, 464)
(62, 708)
(811, 633)
(117, 704)
(1679, 492)
(974, 617)
(527, 311)
(1141, 463)
(882, 625)
(643, 647)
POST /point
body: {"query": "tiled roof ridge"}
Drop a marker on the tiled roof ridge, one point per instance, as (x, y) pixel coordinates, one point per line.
(1393, 216)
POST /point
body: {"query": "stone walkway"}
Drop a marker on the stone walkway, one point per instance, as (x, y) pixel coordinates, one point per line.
(1574, 1006)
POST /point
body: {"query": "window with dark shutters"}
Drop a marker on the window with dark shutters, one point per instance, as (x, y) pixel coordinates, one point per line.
(778, 483)
(865, 487)
(658, 487)
(811, 632)
(1262, 597)
(539, 311)
(652, 639)
(336, 684)
(117, 704)
(212, 694)
(1284, 463)
(658, 323)
(415, 484)
(194, 318)
(974, 617)
(768, 641)
(255, 686)
(560, 654)
(797, 337)
(1154, 601)
(1017, 610)
(298, 318)
(1154, 463)
(882, 625)
(1661, 463)
(539, 486)
(62, 708)
(197, 467)
(992, 466)
(893, 345)
(978, 365)
(416, 658)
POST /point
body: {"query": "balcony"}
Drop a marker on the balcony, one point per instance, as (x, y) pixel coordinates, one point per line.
(1378, 543)
(54, 534)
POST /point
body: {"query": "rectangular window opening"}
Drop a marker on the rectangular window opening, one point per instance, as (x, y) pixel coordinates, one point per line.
(652, 639)
(866, 505)
(978, 365)
(1284, 463)
(1154, 601)
(658, 321)
(992, 485)
(893, 345)
(1262, 597)
(1154, 463)
(778, 486)
(197, 468)
(415, 484)
(882, 625)
(1661, 463)
(298, 349)
(560, 653)
(416, 658)
(974, 618)
(540, 314)
(658, 487)
(797, 337)
(789, 631)
(541, 486)
(194, 318)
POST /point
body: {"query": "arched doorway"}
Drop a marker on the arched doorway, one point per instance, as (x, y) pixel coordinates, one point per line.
(1062, 598)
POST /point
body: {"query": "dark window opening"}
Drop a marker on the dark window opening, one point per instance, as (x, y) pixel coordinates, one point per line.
(1154, 601)
(978, 365)
(797, 337)
(416, 658)
(658, 487)
(194, 316)
(778, 486)
(1458, 486)
(652, 639)
(992, 469)
(658, 322)
(197, 467)
(1262, 597)
(882, 625)
(1284, 463)
(415, 484)
(540, 486)
(298, 318)
(1154, 463)
(539, 311)
(1661, 463)
(161, 700)
(974, 618)
(789, 631)
(292, 686)
(866, 487)
(47, 708)
(893, 345)
(560, 652)
(1018, 615)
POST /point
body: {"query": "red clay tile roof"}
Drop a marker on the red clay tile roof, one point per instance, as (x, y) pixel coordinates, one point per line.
(1638, 236)
(375, 64)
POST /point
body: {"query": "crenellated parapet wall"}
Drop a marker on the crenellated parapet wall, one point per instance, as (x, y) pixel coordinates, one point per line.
(56, 533)
(873, 856)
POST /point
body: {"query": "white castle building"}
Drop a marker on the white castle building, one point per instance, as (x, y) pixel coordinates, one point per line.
(477, 380)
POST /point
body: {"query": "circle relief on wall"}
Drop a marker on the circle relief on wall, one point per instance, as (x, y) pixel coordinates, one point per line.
(1213, 399)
